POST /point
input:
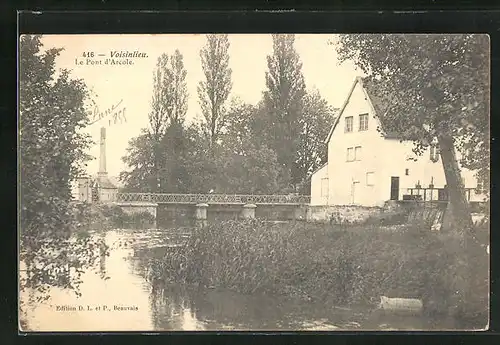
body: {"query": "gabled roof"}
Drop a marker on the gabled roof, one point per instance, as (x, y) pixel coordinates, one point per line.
(378, 105)
(319, 168)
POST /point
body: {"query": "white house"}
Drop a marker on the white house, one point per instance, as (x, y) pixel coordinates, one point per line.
(368, 167)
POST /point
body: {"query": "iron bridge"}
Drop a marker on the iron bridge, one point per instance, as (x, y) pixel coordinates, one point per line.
(214, 198)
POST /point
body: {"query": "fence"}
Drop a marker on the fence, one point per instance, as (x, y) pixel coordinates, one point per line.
(213, 198)
(432, 194)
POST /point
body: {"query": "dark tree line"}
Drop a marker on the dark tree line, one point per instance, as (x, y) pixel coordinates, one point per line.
(52, 111)
(235, 147)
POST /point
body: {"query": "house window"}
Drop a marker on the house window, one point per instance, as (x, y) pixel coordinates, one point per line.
(363, 122)
(370, 178)
(324, 186)
(357, 153)
(407, 172)
(434, 153)
(480, 188)
(350, 154)
(348, 124)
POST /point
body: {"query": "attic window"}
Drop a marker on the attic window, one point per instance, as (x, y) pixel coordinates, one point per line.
(348, 124)
(434, 153)
(363, 122)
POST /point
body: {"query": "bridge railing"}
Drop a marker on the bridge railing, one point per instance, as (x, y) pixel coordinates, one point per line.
(213, 198)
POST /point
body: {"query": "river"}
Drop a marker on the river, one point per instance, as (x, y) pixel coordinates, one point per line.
(128, 302)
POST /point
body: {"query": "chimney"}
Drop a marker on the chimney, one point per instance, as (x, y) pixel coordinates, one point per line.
(102, 157)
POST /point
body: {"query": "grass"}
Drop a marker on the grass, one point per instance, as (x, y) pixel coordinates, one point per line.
(338, 266)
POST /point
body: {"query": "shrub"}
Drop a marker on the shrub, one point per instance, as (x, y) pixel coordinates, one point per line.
(99, 216)
(336, 265)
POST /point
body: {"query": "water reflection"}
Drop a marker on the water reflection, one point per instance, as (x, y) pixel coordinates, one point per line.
(132, 303)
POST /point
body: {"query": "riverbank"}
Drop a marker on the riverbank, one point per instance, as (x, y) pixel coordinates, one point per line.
(101, 216)
(325, 264)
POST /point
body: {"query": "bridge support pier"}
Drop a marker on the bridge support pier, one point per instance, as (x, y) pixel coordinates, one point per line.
(131, 208)
(200, 214)
(248, 211)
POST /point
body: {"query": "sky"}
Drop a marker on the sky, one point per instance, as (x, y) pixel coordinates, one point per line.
(132, 84)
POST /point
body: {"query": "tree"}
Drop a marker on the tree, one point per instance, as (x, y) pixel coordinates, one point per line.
(283, 103)
(435, 87)
(140, 159)
(239, 127)
(247, 164)
(176, 155)
(214, 90)
(168, 104)
(202, 165)
(175, 88)
(315, 122)
(52, 112)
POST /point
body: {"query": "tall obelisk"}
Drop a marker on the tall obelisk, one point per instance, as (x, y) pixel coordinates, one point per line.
(102, 158)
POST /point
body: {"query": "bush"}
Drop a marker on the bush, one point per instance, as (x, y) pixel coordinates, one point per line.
(341, 266)
(99, 216)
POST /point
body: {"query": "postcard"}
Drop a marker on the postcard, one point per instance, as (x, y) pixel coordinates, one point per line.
(262, 182)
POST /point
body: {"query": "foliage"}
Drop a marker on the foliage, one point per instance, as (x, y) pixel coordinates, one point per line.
(247, 164)
(214, 90)
(100, 216)
(52, 113)
(326, 264)
(139, 158)
(315, 122)
(283, 101)
(168, 106)
(146, 154)
(176, 146)
(240, 148)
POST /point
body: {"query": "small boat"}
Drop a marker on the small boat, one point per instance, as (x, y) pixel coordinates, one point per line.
(397, 305)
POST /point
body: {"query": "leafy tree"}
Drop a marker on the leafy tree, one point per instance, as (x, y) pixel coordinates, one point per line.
(141, 176)
(435, 87)
(239, 126)
(254, 172)
(175, 89)
(283, 101)
(168, 104)
(315, 121)
(214, 90)
(52, 112)
(248, 165)
(175, 148)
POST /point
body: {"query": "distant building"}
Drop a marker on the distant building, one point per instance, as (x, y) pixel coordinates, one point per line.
(368, 167)
(85, 189)
(99, 188)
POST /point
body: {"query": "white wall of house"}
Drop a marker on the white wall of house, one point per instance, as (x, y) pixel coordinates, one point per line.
(319, 186)
(362, 162)
(85, 189)
(423, 170)
(353, 180)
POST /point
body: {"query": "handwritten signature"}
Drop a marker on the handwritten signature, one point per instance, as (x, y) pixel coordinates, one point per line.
(112, 113)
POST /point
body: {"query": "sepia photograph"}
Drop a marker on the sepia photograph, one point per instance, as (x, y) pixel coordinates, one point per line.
(253, 182)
